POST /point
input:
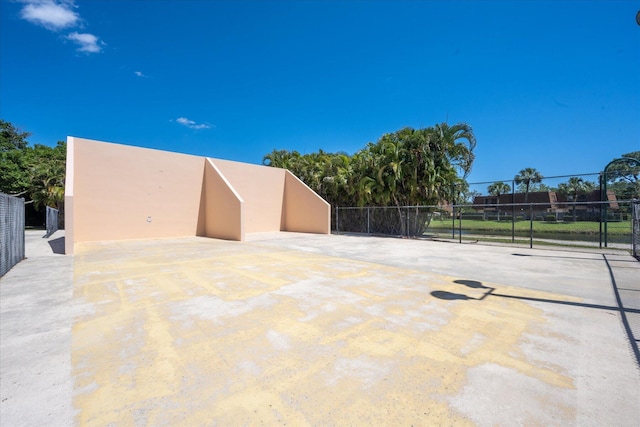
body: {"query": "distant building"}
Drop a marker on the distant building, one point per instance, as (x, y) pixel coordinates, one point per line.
(585, 204)
(543, 203)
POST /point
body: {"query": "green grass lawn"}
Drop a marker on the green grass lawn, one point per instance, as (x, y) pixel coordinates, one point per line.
(579, 227)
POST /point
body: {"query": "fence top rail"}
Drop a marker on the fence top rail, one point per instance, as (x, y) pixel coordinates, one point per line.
(471, 205)
(570, 204)
(395, 207)
(544, 178)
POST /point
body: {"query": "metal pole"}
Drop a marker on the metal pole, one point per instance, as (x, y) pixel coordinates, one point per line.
(453, 222)
(513, 211)
(606, 198)
(460, 227)
(531, 226)
(453, 213)
(601, 214)
(406, 221)
(337, 221)
(368, 222)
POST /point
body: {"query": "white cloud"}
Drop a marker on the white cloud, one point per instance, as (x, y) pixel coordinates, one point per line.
(88, 42)
(139, 74)
(57, 15)
(191, 124)
(49, 14)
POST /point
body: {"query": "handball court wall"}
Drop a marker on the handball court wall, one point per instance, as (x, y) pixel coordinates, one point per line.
(119, 192)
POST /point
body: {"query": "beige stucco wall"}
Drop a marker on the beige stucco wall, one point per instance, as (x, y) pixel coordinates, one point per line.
(261, 188)
(122, 192)
(304, 211)
(224, 208)
(118, 192)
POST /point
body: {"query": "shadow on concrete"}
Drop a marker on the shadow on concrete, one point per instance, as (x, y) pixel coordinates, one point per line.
(57, 245)
(450, 295)
(471, 283)
(633, 341)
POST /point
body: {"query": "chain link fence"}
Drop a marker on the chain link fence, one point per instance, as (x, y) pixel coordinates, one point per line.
(585, 224)
(406, 221)
(11, 232)
(589, 210)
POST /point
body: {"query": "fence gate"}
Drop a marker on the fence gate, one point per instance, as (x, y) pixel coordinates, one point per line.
(52, 221)
(636, 229)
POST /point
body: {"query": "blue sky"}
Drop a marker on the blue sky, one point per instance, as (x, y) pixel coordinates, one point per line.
(551, 85)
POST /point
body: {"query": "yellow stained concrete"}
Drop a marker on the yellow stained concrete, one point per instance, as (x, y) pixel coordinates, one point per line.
(207, 332)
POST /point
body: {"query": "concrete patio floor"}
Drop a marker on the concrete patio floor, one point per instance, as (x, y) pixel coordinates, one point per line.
(303, 329)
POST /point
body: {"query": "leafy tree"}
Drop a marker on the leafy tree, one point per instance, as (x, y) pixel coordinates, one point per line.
(11, 138)
(544, 187)
(526, 177)
(624, 177)
(15, 160)
(37, 172)
(470, 196)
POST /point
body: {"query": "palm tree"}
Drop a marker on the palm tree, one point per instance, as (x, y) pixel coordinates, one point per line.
(574, 187)
(409, 167)
(281, 159)
(47, 176)
(497, 189)
(47, 187)
(47, 191)
(335, 175)
(528, 176)
(459, 145)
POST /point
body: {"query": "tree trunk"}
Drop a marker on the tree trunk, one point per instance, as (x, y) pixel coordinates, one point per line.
(400, 216)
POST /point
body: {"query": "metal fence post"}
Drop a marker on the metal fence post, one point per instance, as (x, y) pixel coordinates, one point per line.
(513, 211)
(460, 226)
(337, 219)
(606, 214)
(531, 226)
(601, 214)
(453, 222)
(368, 221)
(406, 221)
